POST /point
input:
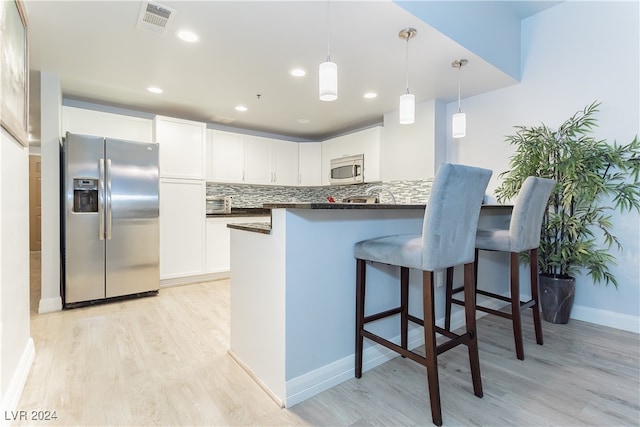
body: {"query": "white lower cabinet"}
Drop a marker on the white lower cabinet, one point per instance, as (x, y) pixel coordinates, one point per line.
(218, 241)
(182, 228)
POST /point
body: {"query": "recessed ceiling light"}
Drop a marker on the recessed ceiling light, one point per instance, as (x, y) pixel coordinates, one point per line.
(154, 89)
(241, 108)
(298, 72)
(187, 36)
(370, 95)
(303, 121)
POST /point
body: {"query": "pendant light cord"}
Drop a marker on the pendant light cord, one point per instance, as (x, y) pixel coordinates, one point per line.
(459, 70)
(407, 69)
(328, 29)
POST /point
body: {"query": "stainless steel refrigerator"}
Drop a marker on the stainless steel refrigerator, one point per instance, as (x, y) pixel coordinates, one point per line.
(110, 245)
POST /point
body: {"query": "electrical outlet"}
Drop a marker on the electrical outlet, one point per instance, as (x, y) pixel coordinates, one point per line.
(439, 279)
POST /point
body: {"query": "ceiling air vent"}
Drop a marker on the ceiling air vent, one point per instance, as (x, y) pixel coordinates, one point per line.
(155, 17)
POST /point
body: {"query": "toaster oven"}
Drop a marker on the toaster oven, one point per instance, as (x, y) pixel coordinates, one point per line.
(218, 205)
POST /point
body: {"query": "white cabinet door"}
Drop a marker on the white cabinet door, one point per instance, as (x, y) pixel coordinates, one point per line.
(284, 162)
(182, 147)
(257, 160)
(372, 146)
(310, 164)
(218, 241)
(218, 245)
(182, 227)
(98, 123)
(227, 156)
(208, 166)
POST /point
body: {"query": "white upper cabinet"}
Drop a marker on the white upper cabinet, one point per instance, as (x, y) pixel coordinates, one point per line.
(367, 142)
(310, 164)
(257, 160)
(226, 157)
(247, 159)
(109, 125)
(182, 147)
(284, 162)
(270, 161)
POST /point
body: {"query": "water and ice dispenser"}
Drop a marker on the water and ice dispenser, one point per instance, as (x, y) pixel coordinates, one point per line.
(85, 195)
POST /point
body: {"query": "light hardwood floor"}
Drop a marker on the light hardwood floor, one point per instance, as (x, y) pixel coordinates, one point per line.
(163, 361)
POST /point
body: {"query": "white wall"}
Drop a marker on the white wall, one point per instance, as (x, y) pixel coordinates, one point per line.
(572, 54)
(413, 152)
(16, 345)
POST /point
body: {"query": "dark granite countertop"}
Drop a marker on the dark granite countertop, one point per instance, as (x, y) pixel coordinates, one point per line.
(240, 212)
(300, 205)
(256, 227)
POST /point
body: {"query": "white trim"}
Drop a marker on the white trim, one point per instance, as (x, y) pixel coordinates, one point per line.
(12, 397)
(49, 305)
(254, 377)
(189, 280)
(612, 319)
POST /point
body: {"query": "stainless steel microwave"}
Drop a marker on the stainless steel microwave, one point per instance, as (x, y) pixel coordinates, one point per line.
(347, 170)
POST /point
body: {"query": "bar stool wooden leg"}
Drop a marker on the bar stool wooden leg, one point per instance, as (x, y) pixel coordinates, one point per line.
(470, 320)
(447, 302)
(475, 276)
(430, 347)
(360, 291)
(515, 304)
(535, 296)
(404, 306)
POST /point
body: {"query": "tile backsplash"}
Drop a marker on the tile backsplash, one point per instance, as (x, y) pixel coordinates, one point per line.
(253, 196)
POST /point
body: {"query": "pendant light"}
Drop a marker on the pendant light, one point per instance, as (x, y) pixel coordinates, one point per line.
(459, 119)
(408, 100)
(328, 73)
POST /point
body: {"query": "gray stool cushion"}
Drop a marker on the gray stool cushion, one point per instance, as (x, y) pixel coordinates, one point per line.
(404, 250)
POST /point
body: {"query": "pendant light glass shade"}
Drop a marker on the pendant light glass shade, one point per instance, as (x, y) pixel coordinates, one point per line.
(407, 109)
(459, 125)
(328, 82)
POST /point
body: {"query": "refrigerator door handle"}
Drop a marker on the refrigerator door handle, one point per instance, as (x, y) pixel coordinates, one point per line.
(101, 197)
(108, 180)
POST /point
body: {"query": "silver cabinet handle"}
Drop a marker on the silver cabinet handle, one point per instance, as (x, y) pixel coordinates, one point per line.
(101, 197)
(109, 214)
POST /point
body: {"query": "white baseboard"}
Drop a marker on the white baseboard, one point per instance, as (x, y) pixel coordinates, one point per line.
(49, 305)
(314, 382)
(189, 280)
(328, 376)
(624, 322)
(12, 397)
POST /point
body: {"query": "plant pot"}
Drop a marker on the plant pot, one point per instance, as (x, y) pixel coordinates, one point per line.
(556, 297)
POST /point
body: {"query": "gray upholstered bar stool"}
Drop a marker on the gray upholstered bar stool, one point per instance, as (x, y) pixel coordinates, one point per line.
(522, 235)
(447, 239)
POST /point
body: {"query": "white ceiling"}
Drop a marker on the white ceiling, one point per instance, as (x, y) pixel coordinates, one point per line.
(247, 49)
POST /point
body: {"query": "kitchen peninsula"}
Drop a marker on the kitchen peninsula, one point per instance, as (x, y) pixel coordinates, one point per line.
(293, 293)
